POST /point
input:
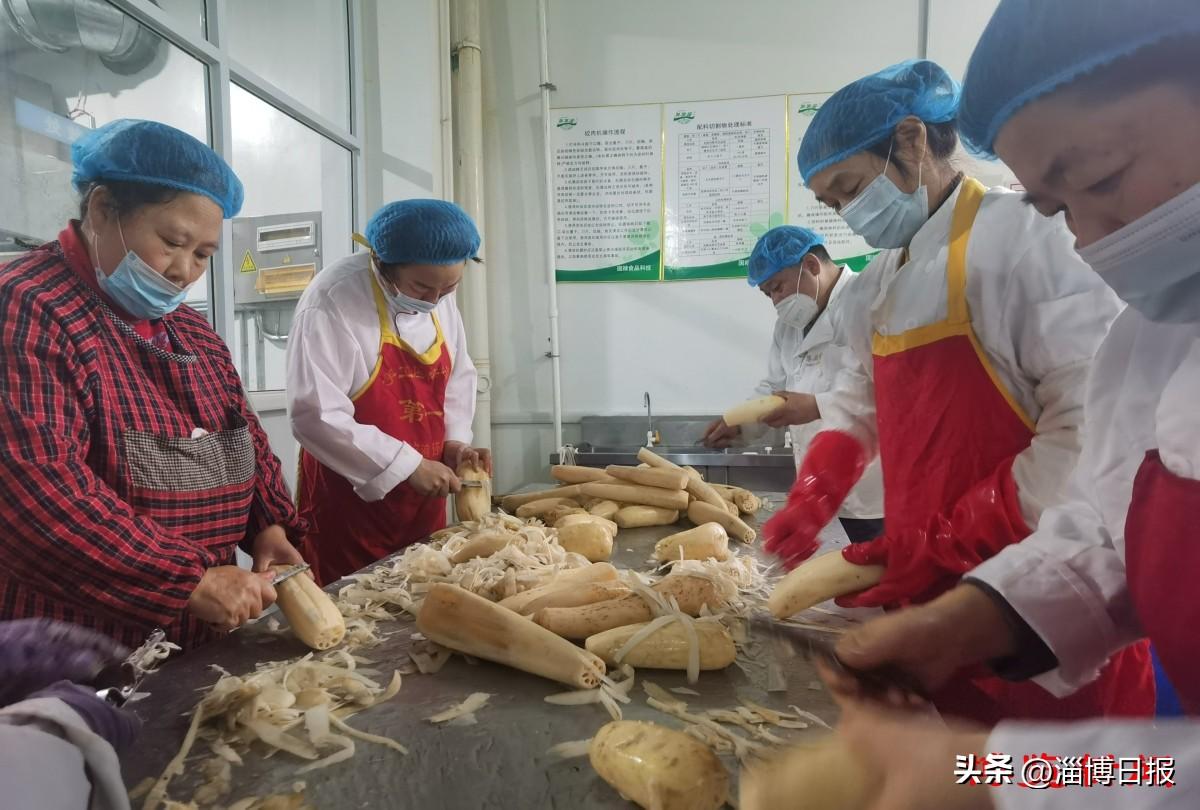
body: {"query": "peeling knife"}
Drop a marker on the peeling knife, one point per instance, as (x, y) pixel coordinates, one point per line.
(471, 484)
(876, 682)
(283, 576)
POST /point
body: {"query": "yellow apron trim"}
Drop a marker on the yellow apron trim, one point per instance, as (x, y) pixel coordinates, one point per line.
(999, 383)
(958, 317)
(883, 345)
(430, 355)
(388, 336)
(299, 478)
(965, 211)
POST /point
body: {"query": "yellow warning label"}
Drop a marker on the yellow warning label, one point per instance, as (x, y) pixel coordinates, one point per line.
(248, 265)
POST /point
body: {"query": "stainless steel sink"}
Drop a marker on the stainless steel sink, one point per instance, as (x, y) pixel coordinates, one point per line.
(676, 433)
(685, 450)
(767, 466)
(658, 448)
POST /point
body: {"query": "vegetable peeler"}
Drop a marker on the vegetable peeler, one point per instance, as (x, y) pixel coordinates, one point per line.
(289, 573)
(118, 682)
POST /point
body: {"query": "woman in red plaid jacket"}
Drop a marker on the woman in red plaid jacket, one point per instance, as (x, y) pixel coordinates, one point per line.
(132, 464)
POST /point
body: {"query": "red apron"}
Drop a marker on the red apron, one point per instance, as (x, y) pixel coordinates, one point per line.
(1162, 556)
(404, 398)
(946, 421)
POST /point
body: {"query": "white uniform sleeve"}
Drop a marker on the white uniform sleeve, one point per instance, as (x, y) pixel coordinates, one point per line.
(41, 769)
(462, 387)
(1069, 583)
(776, 380)
(1178, 740)
(849, 404)
(773, 381)
(50, 757)
(321, 359)
(1056, 312)
(1177, 419)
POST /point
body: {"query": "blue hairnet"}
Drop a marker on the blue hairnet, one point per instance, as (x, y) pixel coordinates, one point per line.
(422, 232)
(866, 111)
(1032, 47)
(780, 247)
(154, 153)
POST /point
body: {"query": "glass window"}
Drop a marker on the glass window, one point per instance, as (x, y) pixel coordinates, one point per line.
(101, 66)
(188, 14)
(301, 46)
(297, 218)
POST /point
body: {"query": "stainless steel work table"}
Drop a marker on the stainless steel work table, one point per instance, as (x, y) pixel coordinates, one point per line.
(499, 763)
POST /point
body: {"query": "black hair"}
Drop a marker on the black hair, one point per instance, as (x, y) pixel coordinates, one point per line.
(128, 197)
(942, 141)
(821, 253)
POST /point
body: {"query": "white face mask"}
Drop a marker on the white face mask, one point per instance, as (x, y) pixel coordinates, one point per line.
(401, 302)
(797, 309)
(137, 287)
(1153, 263)
(883, 215)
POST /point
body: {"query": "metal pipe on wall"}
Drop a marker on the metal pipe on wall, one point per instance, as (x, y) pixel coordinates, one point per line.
(548, 196)
(446, 109)
(467, 91)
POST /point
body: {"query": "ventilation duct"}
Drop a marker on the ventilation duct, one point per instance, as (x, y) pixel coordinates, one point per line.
(58, 26)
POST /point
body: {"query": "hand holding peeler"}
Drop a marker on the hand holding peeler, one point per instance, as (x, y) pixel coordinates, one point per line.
(876, 682)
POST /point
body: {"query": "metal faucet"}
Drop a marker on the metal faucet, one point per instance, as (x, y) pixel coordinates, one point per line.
(652, 437)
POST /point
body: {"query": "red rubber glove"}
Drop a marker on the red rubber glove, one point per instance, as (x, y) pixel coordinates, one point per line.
(923, 563)
(831, 467)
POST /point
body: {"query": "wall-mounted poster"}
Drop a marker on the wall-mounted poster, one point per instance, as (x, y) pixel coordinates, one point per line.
(844, 245)
(608, 193)
(725, 183)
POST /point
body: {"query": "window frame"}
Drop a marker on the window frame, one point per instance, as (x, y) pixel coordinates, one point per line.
(212, 50)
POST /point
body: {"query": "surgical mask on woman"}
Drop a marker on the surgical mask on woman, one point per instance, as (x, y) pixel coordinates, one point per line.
(1153, 263)
(885, 216)
(797, 309)
(406, 303)
(401, 302)
(137, 287)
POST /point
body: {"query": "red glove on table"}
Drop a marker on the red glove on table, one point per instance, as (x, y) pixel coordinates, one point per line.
(832, 466)
(923, 563)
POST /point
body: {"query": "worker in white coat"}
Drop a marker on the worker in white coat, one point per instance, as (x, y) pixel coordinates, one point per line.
(791, 266)
(381, 390)
(1095, 105)
(978, 322)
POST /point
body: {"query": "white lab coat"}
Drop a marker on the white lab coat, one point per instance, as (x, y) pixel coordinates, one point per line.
(808, 364)
(332, 349)
(1038, 310)
(1068, 580)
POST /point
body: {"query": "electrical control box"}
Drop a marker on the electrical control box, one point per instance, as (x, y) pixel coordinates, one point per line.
(275, 257)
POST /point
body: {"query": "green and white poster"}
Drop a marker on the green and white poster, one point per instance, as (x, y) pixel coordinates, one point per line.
(725, 183)
(804, 209)
(608, 193)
